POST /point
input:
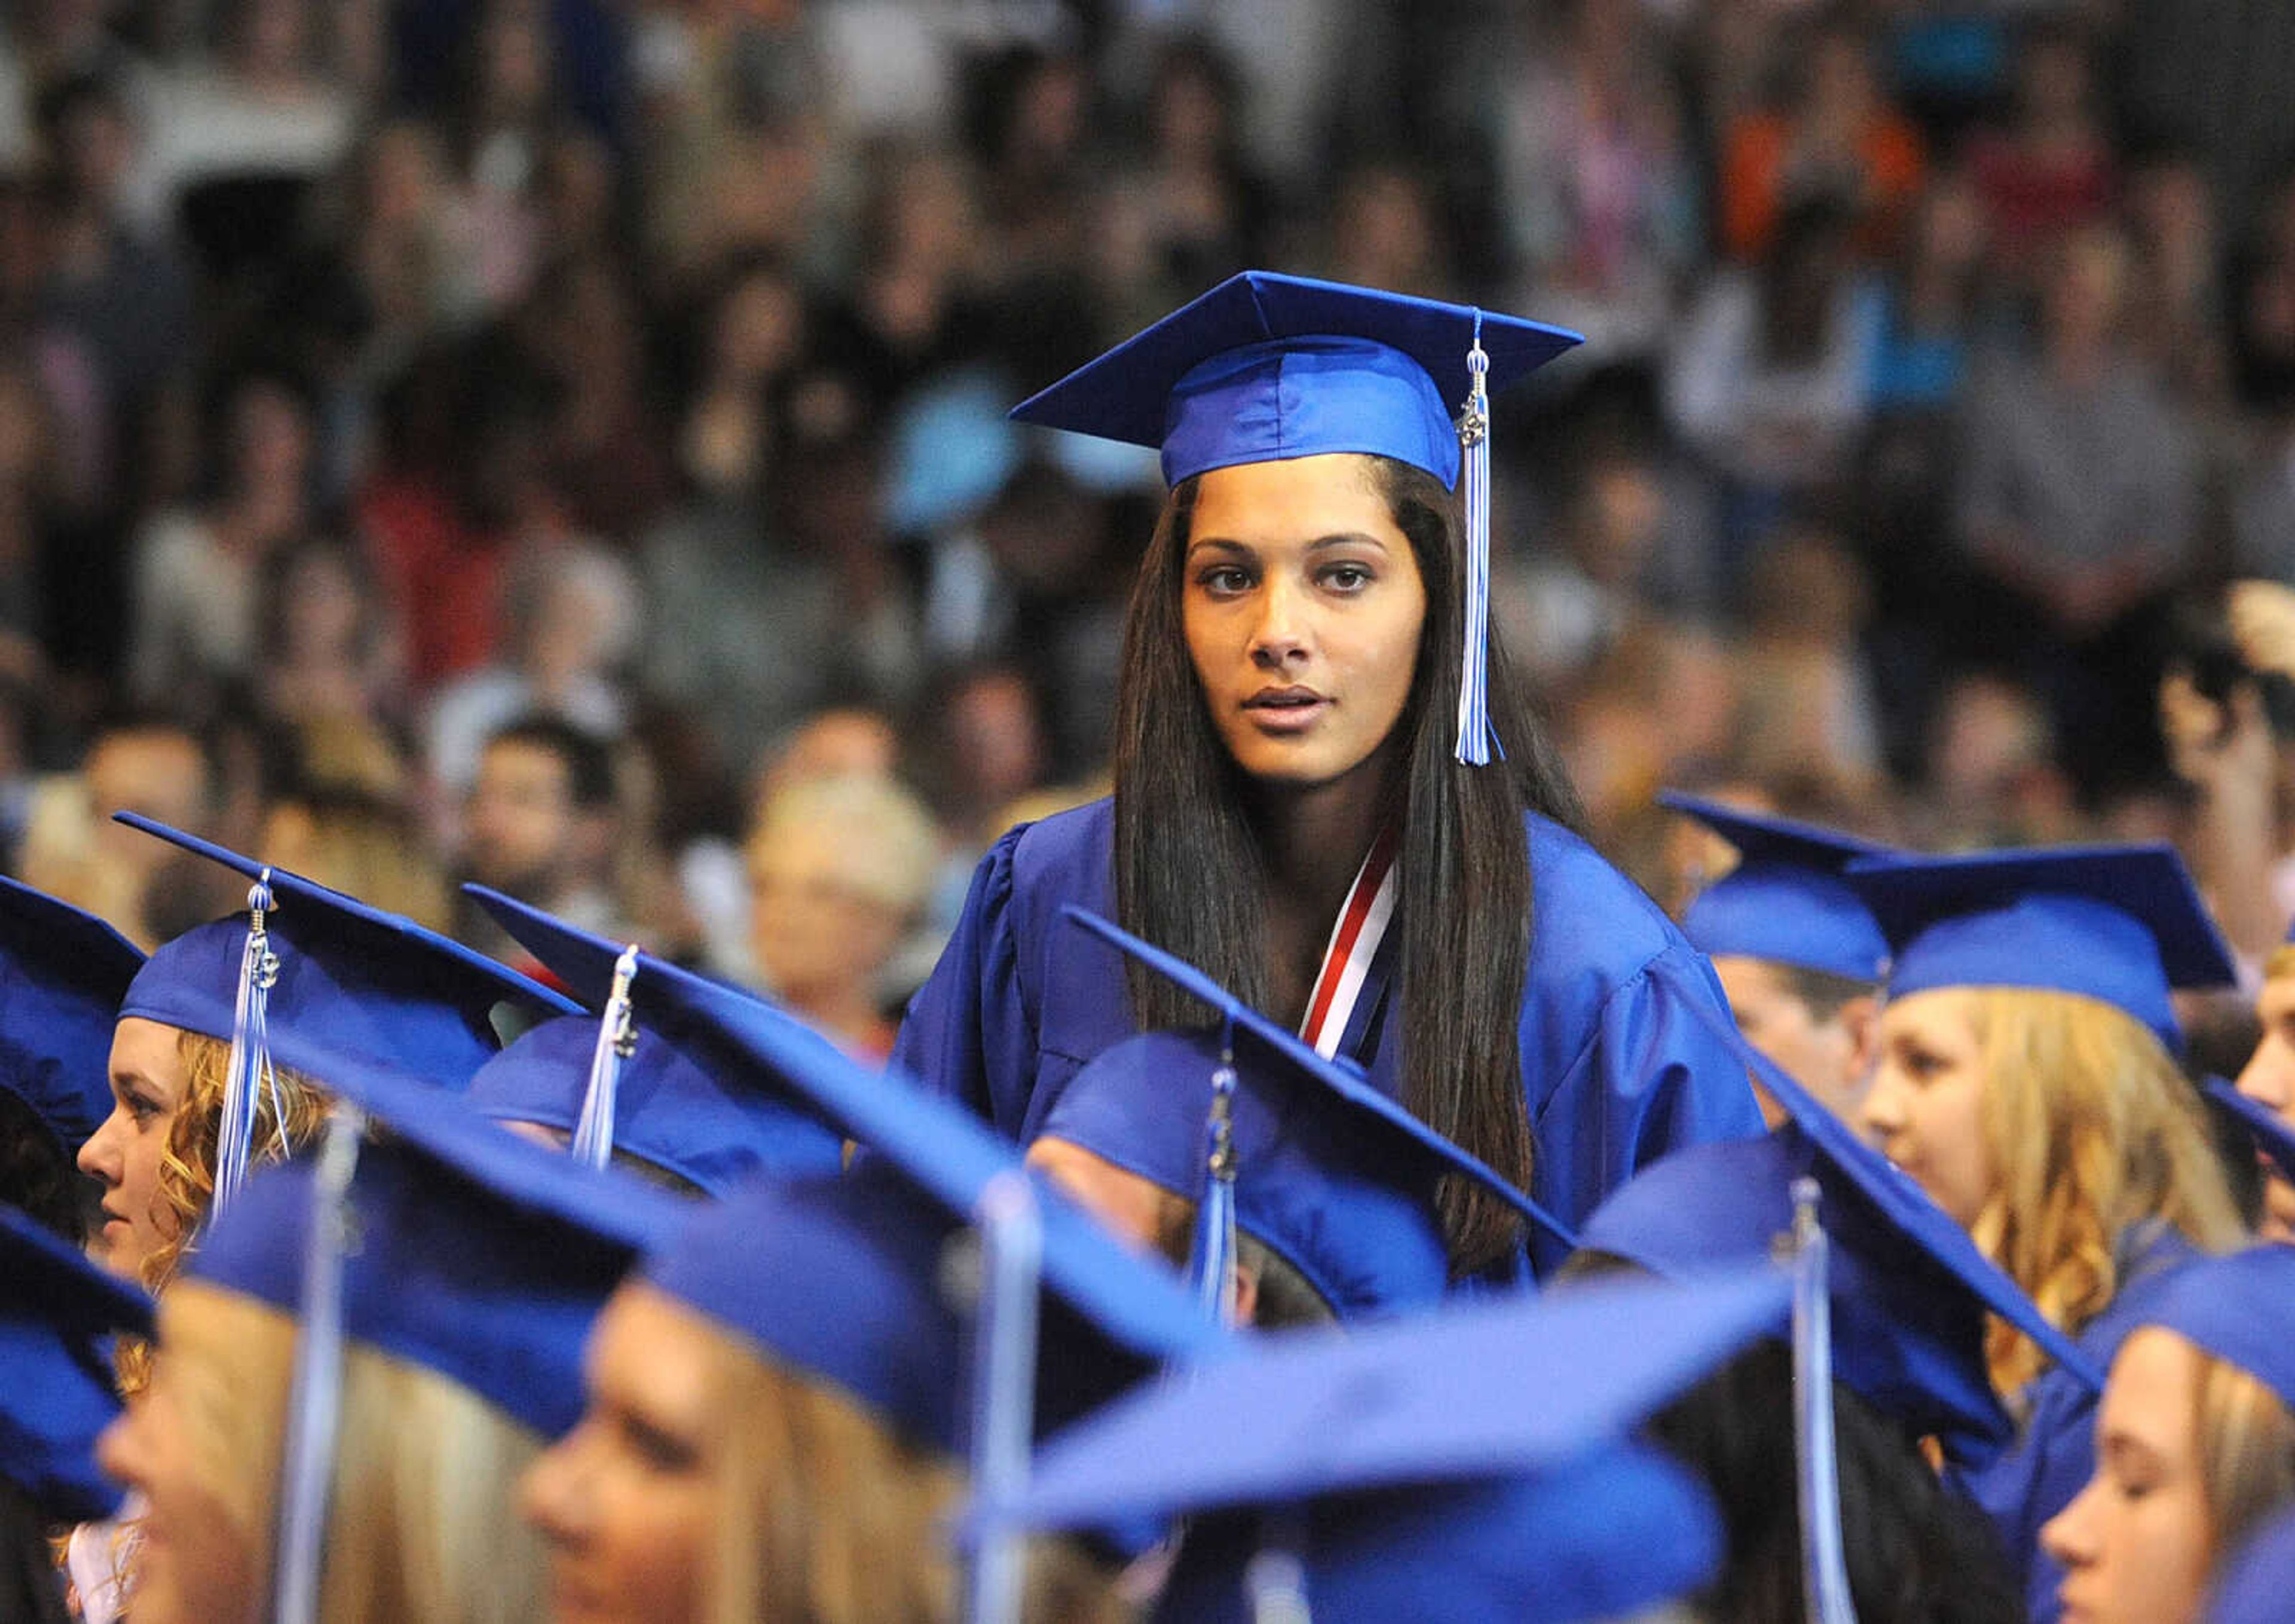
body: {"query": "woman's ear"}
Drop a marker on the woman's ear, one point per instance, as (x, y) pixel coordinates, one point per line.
(1860, 1018)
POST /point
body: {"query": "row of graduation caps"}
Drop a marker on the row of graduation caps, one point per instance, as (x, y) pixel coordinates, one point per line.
(1512, 1419)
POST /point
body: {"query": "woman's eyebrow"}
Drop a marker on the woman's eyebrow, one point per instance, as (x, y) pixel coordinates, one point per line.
(1342, 538)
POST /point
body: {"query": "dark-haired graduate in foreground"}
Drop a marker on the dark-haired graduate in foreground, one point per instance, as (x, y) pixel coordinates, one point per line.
(1328, 793)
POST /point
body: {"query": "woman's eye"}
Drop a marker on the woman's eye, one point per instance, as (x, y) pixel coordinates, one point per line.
(1225, 580)
(142, 1109)
(661, 1450)
(1347, 577)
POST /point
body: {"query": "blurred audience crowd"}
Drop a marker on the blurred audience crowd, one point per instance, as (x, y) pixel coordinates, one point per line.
(560, 442)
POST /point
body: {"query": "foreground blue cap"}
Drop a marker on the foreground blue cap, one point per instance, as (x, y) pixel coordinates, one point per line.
(709, 1125)
(1600, 1538)
(478, 1255)
(947, 1154)
(1472, 1392)
(2239, 1308)
(1909, 1288)
(62, 973)
(1266, 367)
(2264, 1128)
(2258, 1578)
(1785, 902)
(1289, 1063)
(58, 1313)
(2122, 924)
(376, 984)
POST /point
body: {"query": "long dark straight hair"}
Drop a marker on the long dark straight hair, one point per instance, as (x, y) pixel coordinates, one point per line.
(1191, 876)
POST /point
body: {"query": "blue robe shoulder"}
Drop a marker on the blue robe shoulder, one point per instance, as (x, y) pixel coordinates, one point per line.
(1617, 1068)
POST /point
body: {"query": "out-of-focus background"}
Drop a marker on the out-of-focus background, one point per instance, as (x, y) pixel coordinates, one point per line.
(560, 442)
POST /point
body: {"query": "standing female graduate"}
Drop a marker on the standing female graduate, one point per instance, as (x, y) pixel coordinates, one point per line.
(1328, 793)
(2027, 1082)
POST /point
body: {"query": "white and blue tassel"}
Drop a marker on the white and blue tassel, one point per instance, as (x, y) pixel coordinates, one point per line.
(1212, 1267)
(247, 1076)
(1825, 1571)
(617, 1040)
(1475, 741)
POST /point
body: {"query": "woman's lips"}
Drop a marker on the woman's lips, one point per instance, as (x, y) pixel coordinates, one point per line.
(1286, 710)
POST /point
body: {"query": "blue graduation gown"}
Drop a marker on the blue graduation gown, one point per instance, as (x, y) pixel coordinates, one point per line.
(2055, 1453)
(1617, 1069)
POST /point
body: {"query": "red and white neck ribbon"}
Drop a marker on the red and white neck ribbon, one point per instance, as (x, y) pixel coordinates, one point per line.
(1354, 943)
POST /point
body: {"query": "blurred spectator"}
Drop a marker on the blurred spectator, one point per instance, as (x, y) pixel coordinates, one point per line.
(26, 542)
(197, 571)
(1386, 232)
(2051, 169)
(1808, 711)
(332, 651)
(841, 741)
(1993, 776)
(981, 749)
(345, 818)
(1597, 185)
(542, 824)
(584, 330)
(1580, 595)
(1929, 327)
(2177, 314)
(1209, 211)
(839, 871)
(572, 618)
(255, 107)
(1836, 138)
(72, 849)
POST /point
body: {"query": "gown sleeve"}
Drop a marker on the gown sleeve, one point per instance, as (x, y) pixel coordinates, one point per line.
(1653, 1077)
(967, 1032)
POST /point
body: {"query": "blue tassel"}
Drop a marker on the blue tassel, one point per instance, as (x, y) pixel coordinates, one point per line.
(617, 1040)
(1824, 1572)
(314, 1404)
(1475, 741)
(1003, 1385)
(247, 1076)
(1212, 1267)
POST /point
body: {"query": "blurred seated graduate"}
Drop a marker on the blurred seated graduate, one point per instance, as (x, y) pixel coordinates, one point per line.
(1796, 950)
(62, 973)
(1336, 1478)
(2028, 1083)
(778, 1402)
(1909, 1296)
(197, 1097)
(2269, 1135)
(1291, 1188)
(1329, 795)
(2268, 1081)
(58, 1315)
(2194, 1445)
(365, 1350)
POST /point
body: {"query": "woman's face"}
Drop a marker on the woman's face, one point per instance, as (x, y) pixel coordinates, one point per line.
(1303, 604)
(626, 1499)
(148, 1085)
(817, 931)
(2137, 1543)
(1926, 1106)
(198, 1561)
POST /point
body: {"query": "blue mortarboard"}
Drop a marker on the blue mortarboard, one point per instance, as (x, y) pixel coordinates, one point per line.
(62, 973)
(2122, 924)
(477, 1255)
(2239, 1308)
(2265, 1127)
(2257, 1579)
(1265, 367)
(1469, 1396)
(305, 956)
(58, 1313)
(1286, 1055)
(1909, 1289)
(708, 1125)
(925, 1141)
(1785, 902)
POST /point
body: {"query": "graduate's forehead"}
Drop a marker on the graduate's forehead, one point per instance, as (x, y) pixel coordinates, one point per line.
(1295, 501)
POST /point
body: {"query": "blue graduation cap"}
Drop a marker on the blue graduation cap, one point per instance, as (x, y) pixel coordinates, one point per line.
(58, 1314)
(709, 1125)
(1512, 1406)
(2239, 1308)
(1785, 902)
(1305, 1152)
(1267, 367)
(478, 1255)
(1908, 1289)
(949, 1155)
(2257, 1579)
(2269, 1131)
(305, 956)
(62, 973)
(2121, 925)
